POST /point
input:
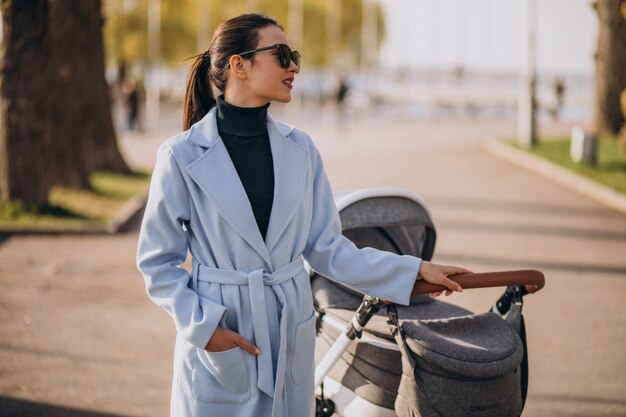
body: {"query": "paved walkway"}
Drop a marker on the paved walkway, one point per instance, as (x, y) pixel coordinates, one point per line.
(78, 336)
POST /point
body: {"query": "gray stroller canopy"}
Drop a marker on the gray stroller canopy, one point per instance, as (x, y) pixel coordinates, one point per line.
(387, 219)
(393, 220)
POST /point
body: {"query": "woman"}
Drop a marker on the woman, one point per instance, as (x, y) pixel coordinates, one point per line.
(248, 197)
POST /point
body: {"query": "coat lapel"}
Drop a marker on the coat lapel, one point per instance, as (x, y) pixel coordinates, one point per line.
(216, 176)
(290, 161)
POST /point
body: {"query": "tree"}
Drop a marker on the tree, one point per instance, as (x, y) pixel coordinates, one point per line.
(24, 134)
(67, 101)
(126, 27)
(610, 65)
(56, 123)
(81, 22)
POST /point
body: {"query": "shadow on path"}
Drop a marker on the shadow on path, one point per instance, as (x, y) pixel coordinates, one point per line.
(532, 229)
(12, 407)
(578, 399)
(72, 357)
(529, 264)
(521, 207)
(4, 237)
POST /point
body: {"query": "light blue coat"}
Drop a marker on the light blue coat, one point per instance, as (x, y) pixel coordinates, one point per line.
(239, 281)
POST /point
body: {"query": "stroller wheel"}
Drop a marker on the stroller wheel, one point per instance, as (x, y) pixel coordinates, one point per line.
(324, 407)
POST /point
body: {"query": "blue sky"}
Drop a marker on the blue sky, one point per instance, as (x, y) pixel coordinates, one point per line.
(489, 35)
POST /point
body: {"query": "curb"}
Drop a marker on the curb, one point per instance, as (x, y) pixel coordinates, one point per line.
(127, 213)
(124, 217)
(589, 188)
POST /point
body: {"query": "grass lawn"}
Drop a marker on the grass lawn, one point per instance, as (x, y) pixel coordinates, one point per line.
(610, 169)
(76, 209)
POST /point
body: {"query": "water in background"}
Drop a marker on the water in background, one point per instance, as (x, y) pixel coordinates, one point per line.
(406, 94)
(437, 94)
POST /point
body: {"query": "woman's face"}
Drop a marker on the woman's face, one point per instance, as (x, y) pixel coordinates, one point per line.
(267, 80)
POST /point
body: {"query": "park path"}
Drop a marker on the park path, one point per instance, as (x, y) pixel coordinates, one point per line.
(79, 337)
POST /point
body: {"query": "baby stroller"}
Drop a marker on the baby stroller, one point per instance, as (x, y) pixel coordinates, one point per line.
(424, 360)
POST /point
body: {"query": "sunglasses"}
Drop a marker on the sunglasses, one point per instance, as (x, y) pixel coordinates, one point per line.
(285, 54)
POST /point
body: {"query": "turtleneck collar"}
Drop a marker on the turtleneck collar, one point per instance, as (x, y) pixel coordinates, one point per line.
(241, 121)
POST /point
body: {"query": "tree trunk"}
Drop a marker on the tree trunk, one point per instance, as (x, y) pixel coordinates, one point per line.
(55, 115)
(610, 65)
(69, 100)
(102, 152)
(25, 143)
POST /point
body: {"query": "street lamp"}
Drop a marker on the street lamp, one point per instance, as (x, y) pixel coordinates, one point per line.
(204, 25)
(153, 92)
(527, 106)
(369, 33)
(333, 30)
(295, 26)
(295, 11)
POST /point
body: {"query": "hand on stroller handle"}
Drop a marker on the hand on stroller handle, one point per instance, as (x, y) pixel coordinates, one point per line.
(438, 275)
(532, 279)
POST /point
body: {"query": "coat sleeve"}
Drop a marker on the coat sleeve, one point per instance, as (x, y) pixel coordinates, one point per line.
(367, 270)
(162, 249)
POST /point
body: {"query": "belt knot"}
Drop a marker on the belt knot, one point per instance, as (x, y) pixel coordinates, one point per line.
(256, 280)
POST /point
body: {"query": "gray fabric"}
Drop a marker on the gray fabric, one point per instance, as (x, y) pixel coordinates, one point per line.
(384, 211)
(479, 346)
(402, 240)
(431, 395)
(462, 371)
(404, 222)
(373, 372)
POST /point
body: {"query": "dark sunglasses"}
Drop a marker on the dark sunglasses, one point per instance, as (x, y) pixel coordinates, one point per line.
(285, 54)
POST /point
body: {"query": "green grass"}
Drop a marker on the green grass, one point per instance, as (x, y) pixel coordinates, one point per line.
(610, 169)
(76, 209)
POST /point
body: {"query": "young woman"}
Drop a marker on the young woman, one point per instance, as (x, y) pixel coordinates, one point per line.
(248, 198)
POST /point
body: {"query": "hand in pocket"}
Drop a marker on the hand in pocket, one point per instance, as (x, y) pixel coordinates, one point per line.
(224, 339)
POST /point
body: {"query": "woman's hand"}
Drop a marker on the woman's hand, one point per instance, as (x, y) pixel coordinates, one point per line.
(224, 339)
(438, 274)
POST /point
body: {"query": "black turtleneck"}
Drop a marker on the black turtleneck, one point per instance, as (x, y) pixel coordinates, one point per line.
(244, 133)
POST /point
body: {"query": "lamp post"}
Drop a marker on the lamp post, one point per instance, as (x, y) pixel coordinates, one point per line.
(295, 22)
(153, 92)
(295, 19)
(369, 44)
(333, 30)
(527, 106)
(369, 33)
(204, 25)
(252, 6)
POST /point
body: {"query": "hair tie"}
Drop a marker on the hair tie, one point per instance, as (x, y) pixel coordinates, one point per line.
(206, 57)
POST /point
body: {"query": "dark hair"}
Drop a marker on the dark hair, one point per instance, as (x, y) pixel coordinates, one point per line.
(231, 37)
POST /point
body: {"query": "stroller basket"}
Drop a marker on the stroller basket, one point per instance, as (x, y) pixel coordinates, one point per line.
(461, 366)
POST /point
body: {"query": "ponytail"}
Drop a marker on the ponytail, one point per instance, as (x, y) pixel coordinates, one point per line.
(231, 37)
(199, 95)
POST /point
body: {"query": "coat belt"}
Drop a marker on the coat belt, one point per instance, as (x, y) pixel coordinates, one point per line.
(256, 280)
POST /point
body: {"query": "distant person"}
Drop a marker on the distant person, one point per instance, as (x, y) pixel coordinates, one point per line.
(121, 73)
(559, 94)
(342, 92)
(247, 197)
(131, 93)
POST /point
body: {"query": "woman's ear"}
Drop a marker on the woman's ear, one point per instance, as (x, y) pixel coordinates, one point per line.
(238, 67)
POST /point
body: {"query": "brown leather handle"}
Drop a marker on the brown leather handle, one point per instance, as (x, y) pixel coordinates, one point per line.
(486, 279)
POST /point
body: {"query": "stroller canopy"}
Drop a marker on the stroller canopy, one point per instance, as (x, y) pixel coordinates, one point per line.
(389, 219)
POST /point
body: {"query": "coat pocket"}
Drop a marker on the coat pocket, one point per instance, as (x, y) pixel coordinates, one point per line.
(302, 362)
(221, 377)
